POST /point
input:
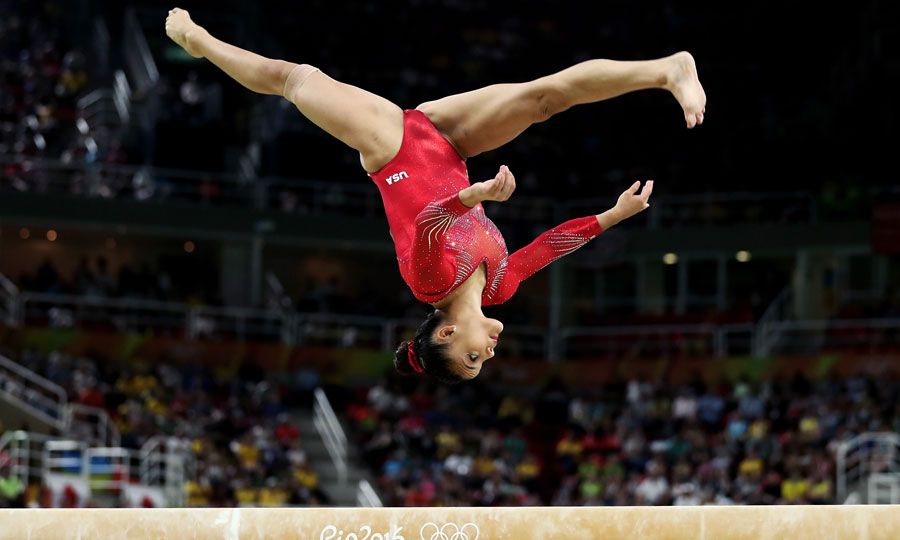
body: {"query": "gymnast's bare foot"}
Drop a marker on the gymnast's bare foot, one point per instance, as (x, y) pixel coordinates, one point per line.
(683, 82)
(183, 31)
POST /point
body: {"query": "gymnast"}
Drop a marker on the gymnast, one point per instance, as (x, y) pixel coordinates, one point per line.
(449, 253)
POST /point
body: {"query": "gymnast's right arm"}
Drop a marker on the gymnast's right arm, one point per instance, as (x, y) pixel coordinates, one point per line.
(432, 223)
(255, 72)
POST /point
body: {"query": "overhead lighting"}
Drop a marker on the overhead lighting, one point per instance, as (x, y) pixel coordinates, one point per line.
(189, 247)
(743, 256)
(670, 258)
(51, 235)
(24, 233)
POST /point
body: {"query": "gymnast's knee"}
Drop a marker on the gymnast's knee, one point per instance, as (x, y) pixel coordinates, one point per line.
(549, 98)
(296, 78)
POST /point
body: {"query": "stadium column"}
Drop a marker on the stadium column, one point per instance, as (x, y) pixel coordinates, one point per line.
(651, 294)
(815, 283)
(721, 282)
(241, 279)
(682, 293)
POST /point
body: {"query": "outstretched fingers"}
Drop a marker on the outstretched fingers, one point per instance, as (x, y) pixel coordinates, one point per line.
(645, 193)
(501, 187)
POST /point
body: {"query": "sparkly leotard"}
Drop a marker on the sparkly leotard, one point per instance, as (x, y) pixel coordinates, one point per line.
(439, 241)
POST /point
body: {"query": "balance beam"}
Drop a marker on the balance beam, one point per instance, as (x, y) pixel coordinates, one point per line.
(869, 522)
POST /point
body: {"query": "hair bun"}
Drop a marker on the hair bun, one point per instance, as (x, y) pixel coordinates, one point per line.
(401, 359)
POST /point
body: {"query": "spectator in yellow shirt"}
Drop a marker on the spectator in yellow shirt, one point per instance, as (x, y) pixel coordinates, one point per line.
(820, 490)
(307, 477)
(794, 488)
(569, 445)
(751, 466)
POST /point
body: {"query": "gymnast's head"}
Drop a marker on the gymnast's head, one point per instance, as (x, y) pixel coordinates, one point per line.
(451, 350)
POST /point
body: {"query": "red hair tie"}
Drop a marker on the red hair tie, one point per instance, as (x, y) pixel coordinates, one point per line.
(413, 359)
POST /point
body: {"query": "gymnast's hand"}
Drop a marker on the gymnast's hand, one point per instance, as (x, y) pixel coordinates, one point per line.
(183, 30)
(499, 188)
(631, 202)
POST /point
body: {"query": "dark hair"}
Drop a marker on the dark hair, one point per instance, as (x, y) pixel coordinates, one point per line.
(431, 355)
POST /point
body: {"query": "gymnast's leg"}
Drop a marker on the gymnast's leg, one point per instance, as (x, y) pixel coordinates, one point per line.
(364, 121)
(490, 117)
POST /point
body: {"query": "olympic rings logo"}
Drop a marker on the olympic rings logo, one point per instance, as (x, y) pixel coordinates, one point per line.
(449, 531)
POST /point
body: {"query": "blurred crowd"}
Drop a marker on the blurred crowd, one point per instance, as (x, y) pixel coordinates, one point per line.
(245, 448)
(628, 443)
(41, 78)
(470, 45)
(94, 278)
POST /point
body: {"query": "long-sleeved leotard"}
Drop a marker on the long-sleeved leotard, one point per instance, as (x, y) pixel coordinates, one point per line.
(439, 241)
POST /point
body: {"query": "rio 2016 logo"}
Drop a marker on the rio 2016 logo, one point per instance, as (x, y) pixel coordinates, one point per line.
(429, 531)
(365, 533)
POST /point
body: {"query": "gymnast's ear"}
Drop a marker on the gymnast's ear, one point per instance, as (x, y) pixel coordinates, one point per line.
(444, 332)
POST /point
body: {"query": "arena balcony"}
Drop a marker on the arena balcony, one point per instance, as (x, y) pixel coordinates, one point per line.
(767, 337)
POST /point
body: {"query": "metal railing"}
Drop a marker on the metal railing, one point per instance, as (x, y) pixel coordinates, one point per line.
(856, 335)
(9, 302)
(332, 434)
(166, 462)
(92, 424)
(194, 322)
(40, 397)
(718, 209)
(315, 197)
(47, 401)
(769, 324)
(366, 496)
(865, 464)
(163, 462)
(328, 329)
(138, 58)
(19, 455)
(657, 340)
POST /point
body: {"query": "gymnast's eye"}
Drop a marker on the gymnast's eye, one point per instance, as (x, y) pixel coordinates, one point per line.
(473, 356)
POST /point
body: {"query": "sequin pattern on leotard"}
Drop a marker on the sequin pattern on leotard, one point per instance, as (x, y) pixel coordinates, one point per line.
(439, 241)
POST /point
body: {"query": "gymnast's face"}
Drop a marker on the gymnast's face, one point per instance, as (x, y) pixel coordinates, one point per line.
(470, 341)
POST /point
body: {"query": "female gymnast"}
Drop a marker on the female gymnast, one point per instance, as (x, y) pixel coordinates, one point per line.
(449, 253)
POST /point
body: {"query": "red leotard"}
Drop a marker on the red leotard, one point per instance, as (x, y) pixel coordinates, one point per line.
(440, 242)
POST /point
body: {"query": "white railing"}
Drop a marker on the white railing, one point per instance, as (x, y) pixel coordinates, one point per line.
(657, 340)
(138, 58)
(163, 462)
(9, 302)
(769, 324)
(366, 496)
(883, 488)
(332, 434)
(20, 453)
(865, 464)
(48, 402)
(92, 424)
(166, 462)
(33, 393)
